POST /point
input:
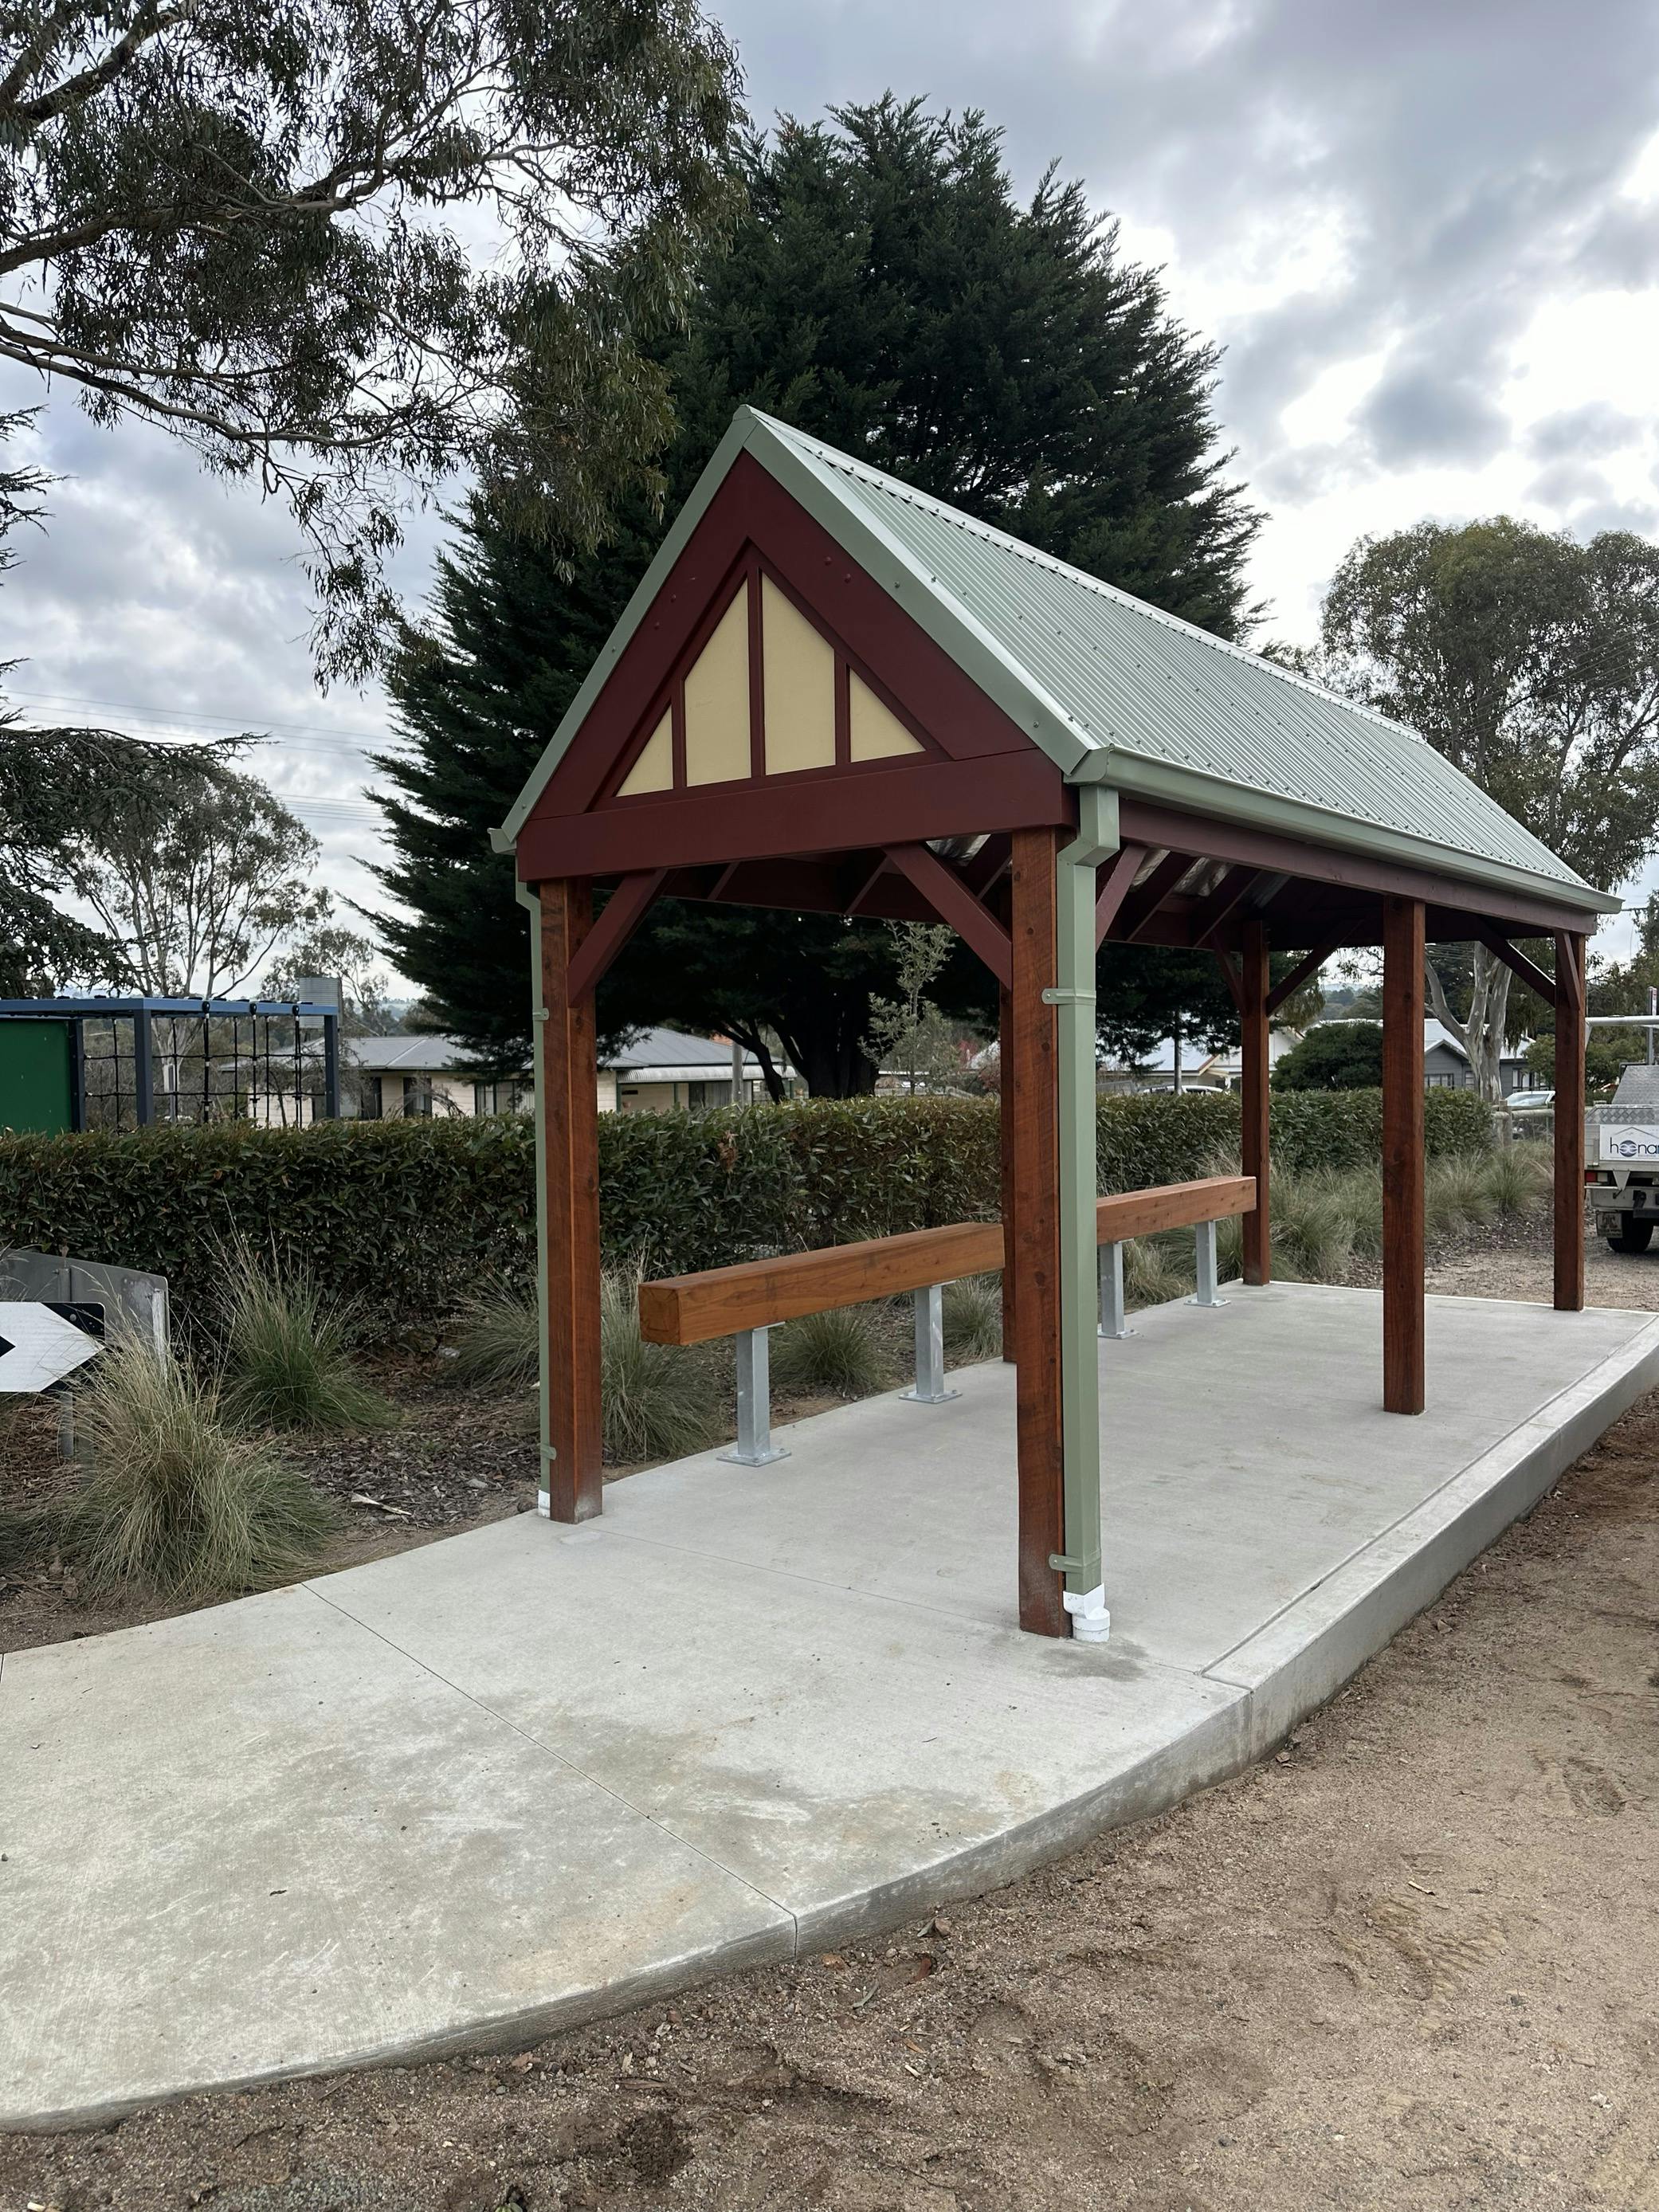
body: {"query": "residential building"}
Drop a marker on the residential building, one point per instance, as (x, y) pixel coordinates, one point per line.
(394, 1078)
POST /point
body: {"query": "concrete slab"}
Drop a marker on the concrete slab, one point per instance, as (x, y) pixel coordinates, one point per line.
(258, 1841)
(529, 1774)
(845, 1754)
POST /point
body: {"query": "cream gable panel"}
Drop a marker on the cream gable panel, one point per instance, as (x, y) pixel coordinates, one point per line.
(800, 689)
(717, 701)
(654, 769)
(876, 731)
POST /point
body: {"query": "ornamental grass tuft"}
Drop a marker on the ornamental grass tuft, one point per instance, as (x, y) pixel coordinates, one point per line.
(659, 1400)
(838, 1353)
(973, 1318)
(286, 1361)
(498, 1337)
(175, 1501)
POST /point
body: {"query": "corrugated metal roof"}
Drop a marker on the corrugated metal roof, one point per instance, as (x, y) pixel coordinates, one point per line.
(422, 1053)
(665, 1048)
(1113, 690)
(1147, 687)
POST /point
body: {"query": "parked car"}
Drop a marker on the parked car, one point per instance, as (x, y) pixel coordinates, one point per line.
(1529, 1102)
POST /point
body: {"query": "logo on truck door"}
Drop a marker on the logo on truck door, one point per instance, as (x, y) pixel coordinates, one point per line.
(1628, 1141)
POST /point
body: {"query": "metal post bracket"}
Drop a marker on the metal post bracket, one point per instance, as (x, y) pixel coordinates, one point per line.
(929, 1389)
(754, 1446)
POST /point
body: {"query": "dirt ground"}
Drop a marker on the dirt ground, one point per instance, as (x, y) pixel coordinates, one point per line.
(1411, 1961)
(1484, 1271)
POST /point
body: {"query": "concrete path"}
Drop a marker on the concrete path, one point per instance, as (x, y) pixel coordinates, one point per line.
(529, 1775)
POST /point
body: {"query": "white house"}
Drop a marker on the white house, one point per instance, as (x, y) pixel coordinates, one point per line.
(392, 1078)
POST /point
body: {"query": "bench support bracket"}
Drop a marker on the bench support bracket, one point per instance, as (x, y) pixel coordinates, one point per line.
(1113, 1316)
(930, 1389)
(754, 1446)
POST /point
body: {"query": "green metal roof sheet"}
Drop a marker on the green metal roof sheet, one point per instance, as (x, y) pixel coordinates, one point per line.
(1115, 690)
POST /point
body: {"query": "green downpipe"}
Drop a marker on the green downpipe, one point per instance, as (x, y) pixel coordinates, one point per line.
(530, 899)
(1079, 1356)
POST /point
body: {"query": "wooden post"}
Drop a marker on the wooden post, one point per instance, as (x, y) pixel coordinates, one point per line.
(1252, 1099)
(574, 1452)
(1569, 1122)
(1005, 1131)
(1034, 1243)
(1403, 1155)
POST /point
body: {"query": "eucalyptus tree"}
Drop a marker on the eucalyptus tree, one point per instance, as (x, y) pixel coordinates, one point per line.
(1531, 661)
(351, 249)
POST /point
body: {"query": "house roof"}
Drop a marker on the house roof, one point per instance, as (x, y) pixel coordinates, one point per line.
(421, 1055)
(660, 1050)
(1115, 691)
(657, 1050)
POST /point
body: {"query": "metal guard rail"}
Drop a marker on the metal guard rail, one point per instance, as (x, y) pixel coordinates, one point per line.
(746, 1300)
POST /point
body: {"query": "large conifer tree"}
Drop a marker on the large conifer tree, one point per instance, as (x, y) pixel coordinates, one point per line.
(887, 293)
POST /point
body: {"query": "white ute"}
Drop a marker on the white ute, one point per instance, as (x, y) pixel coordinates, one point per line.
(1622, 1160)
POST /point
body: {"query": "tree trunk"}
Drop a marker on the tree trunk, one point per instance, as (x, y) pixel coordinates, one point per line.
(754, 1040)
(828, 1054)
(1482, 1035)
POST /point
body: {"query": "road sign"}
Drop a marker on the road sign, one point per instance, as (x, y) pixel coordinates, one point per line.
(38, 1345)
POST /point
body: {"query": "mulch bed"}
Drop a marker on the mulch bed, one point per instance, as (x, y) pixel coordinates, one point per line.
(457, 1458)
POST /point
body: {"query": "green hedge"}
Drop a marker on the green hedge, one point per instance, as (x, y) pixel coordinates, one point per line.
(404, 1216)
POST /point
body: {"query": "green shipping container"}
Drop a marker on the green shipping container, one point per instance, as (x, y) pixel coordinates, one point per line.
(37, 1076)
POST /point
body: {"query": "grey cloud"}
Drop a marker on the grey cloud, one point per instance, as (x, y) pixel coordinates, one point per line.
(1621, 248)
(1464, 152)
(1639, 516)
(1568, 484)
(1417, 413)
(1594, 428)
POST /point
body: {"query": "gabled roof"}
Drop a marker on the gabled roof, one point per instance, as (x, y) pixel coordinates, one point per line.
(657, 1049)
(1113, 690)
(419, 1052)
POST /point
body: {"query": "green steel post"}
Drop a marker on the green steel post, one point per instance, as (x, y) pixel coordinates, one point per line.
(529, 899)
(1079, 1348)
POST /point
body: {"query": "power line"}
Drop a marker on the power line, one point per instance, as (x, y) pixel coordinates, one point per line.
(341, 740)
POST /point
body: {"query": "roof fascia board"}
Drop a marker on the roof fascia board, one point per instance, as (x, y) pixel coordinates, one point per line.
(715, 474)
(930, 605)
(1316, 826)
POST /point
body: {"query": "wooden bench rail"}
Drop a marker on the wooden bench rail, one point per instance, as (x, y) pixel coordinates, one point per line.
(756, 1293)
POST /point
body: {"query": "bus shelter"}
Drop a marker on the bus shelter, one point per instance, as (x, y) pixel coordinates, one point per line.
(833, 693)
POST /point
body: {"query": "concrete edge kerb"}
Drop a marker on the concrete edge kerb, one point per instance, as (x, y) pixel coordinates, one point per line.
(1300, 1660)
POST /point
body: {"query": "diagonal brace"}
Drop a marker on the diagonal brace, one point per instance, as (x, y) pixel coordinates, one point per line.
(1517, 961)
(624, 911)
(1309, 964)
(956, 906)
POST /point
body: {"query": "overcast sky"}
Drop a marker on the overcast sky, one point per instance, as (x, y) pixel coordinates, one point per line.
(1426, 234)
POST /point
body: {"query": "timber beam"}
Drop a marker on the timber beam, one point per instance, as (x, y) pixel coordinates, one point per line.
(956, 906)
(1138, 910)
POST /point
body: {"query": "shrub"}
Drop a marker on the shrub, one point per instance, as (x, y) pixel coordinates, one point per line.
(402, 1219)
(285, 1357)
(973, 1317)
(836, 1351)
(498, 1336)
(1333, 1056)
(658, 1400)
(175, 1502)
